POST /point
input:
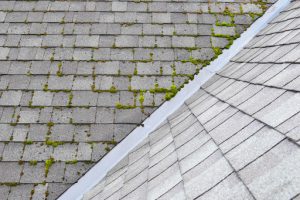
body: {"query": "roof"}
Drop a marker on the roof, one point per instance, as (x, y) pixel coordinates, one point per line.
(77, 77)
(236, 138)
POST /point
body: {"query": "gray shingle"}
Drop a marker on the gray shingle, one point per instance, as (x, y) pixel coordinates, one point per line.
(230, 188)
(270, 177)
(230, 127)
(205, 175)
(264, 140)
(283, 112)
(164, 182)
(260, 100)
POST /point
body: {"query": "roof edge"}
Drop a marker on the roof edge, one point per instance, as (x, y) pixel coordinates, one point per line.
(99, 171)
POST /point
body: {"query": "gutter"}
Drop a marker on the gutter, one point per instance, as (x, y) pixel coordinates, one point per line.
(99, 171)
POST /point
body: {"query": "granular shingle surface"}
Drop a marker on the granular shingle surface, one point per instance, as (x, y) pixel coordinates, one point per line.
(238, 142)
(76, 77)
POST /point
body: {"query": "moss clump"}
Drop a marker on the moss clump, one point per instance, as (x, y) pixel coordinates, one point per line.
(72, 162)
(121, 106)
(10, 184)
(45, 88)
(224, 24)
(196, 61)
(217, 51)
(48, 164)
(28, 142)
(141, 98)
(172, 92)
(33, 162)
(59, 71)
(69, 105)
(53, 143)
(107, 149)
(113, 89)
(50, 124)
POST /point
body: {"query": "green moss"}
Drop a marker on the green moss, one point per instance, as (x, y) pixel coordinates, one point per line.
(59, 71)
(195, 61)
(53, 143)
(70, 100)
(52, 58)
(50, 124)
(113, 89)
(107, 149)
(121, 106)
(135, 72)
(224, 24)
(227, 12)
(190, 49)
(10, 184)
(28, 142)
(72, 162)
(33, 162)
(48, 164)
(141, 98)
(217, 51)
(45, 88)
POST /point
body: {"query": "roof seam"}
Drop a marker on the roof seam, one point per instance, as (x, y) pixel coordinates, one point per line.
(234, 171)
(294, 142)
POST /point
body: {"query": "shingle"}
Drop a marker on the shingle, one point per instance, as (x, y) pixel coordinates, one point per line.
(230, 188)
(269, 73)
(10, 171)
(212, 112)
(233, 89)
(134, 183)
(37, 151)
(161, 144)
(260, 100)
(164, 182)
(272, 176)
(13, 152)
(244, 94)
(187, 122)
(285, 76)
(162, 165)
(294, 133)
(188, 134)
(140, 152)
(162, 154)
(33, 173)
(22, 191)
(65, 152)
(283, 112)
(198, 156)
(203, 106)
(264, 140)
(274, 56)
(137, 167)
(230, 127)
(56, 172)
(192, 145)
(241, 136)
(12, 98)
(73, 170)
(220, 118)
(205, 175)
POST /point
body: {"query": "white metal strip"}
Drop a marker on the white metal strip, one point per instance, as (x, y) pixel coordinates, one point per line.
(98, 172)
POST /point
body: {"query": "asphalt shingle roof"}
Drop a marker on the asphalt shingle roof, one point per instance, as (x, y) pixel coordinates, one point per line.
(236, 138)
(77, 77)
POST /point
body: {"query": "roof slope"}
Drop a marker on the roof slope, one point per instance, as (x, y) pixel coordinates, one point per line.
(238, 137)
(77, 77)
